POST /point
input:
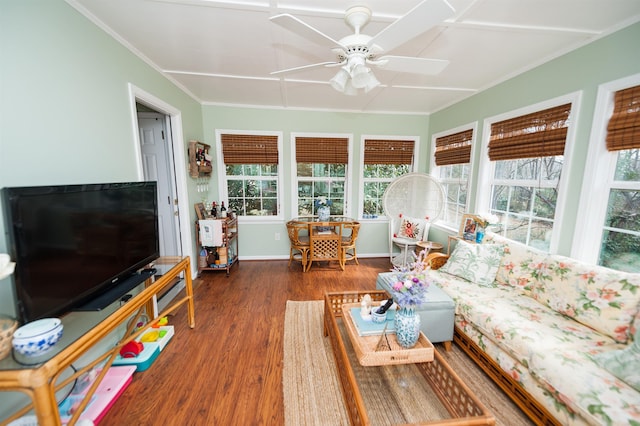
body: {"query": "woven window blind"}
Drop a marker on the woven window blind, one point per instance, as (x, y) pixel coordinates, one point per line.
(623, 131)
(454, 149)
(249, 149)
(539, 134)
(382, 151)
(322, 150)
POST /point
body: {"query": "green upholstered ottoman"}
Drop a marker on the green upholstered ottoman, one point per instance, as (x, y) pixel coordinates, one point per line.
(436, 313)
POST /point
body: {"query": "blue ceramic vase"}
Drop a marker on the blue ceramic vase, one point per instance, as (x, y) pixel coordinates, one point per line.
(407, 324)
(323, 214)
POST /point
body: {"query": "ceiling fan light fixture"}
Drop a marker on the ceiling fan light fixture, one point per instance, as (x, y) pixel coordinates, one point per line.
(350, 90)
(357, 52)
(372, 83)
(360, 76)
(340, 80)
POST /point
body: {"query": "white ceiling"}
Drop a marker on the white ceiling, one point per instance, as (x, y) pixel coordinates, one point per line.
(222, 52)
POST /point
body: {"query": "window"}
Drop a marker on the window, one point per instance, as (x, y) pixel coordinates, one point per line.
(527, 156)
(619, 248)
(452, 161)
(251, 173)
(321, 166)
(384, 160)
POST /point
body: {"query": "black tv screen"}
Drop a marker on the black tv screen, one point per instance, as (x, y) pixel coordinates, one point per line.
(73, 243)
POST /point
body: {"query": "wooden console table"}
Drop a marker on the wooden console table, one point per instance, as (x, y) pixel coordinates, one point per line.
(40, 382)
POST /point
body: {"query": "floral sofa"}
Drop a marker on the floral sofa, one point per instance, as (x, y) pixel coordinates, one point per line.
(555, 333)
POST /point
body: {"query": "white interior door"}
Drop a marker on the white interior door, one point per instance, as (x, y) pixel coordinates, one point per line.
(157, 164)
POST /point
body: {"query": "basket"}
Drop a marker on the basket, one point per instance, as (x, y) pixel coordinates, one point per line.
(7, 327)
(366, 351)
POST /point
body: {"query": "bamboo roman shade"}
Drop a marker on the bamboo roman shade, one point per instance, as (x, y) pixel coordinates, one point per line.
(382, 151)
(249, 149)
(454, 149)
(540, 134)
(322, 150)
(623, 131)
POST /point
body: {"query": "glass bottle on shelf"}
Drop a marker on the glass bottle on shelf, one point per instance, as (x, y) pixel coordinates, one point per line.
(223, 210)
(214, 209)
(202, 259)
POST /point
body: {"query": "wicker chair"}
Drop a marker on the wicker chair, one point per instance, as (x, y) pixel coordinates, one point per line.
(325, 242)
(299, 243)
(348, 245)
(415, 195)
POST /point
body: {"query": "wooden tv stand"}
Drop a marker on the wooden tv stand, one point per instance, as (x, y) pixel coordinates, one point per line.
(40, 381)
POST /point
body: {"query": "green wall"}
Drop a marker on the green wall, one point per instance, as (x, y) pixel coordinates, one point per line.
(584, 69)
(257, 240)
(65, 114)
(64, 102)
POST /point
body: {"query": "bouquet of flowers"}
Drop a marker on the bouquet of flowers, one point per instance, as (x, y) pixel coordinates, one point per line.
(322, 202)
(410, 289)
(486, 219)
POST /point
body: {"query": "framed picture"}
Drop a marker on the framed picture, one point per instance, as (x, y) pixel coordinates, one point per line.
(200, 211)
(468, 227)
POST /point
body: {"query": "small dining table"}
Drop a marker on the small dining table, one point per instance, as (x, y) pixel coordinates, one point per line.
(325, 237)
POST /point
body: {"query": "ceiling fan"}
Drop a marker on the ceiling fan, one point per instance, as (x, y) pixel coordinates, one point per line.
(356, 52)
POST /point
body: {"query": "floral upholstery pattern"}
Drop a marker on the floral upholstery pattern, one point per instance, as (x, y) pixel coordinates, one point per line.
(520, 373)
(623, 363)
(520, 266)
(546, 320)
(588, 389)
(599, 297)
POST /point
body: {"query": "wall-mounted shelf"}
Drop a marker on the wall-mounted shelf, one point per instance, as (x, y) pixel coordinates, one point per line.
(199, 160)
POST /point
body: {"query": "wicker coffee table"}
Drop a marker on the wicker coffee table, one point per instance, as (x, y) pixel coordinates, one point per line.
(422, 392)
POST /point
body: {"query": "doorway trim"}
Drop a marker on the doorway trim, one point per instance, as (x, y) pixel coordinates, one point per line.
(175, 117)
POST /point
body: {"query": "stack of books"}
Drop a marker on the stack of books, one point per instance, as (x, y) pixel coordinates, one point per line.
(370, 328)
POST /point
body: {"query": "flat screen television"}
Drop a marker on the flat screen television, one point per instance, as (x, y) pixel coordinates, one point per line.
(77, 244)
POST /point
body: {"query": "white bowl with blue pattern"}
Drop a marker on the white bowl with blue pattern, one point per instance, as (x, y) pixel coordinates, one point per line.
(37, 337)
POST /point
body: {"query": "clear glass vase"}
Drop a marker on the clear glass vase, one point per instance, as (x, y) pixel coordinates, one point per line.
(407, 324)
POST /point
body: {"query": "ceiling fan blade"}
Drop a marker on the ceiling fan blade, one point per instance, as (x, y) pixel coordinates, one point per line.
(305, 30)
(421, 18)
(304, 67)
(411, 64)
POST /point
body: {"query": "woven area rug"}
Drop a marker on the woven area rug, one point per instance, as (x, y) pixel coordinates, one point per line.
(312, 393)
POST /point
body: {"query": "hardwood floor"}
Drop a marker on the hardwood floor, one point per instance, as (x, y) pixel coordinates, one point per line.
(228, 370)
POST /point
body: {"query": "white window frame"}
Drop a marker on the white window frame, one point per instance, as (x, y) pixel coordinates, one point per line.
(222, 174)
(413, 168)
(486, 168)
(598, 179)
(348, 190)
(435, 169)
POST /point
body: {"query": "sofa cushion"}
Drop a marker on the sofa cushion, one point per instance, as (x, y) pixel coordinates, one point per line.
(520, 265)
(460, 289)
(598, 297)
(521, 326)
(623, 363)
(573, 377)
(519, 371)
(477, 263)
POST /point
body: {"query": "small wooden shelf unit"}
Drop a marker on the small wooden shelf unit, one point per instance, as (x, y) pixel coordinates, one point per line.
(228, 251)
